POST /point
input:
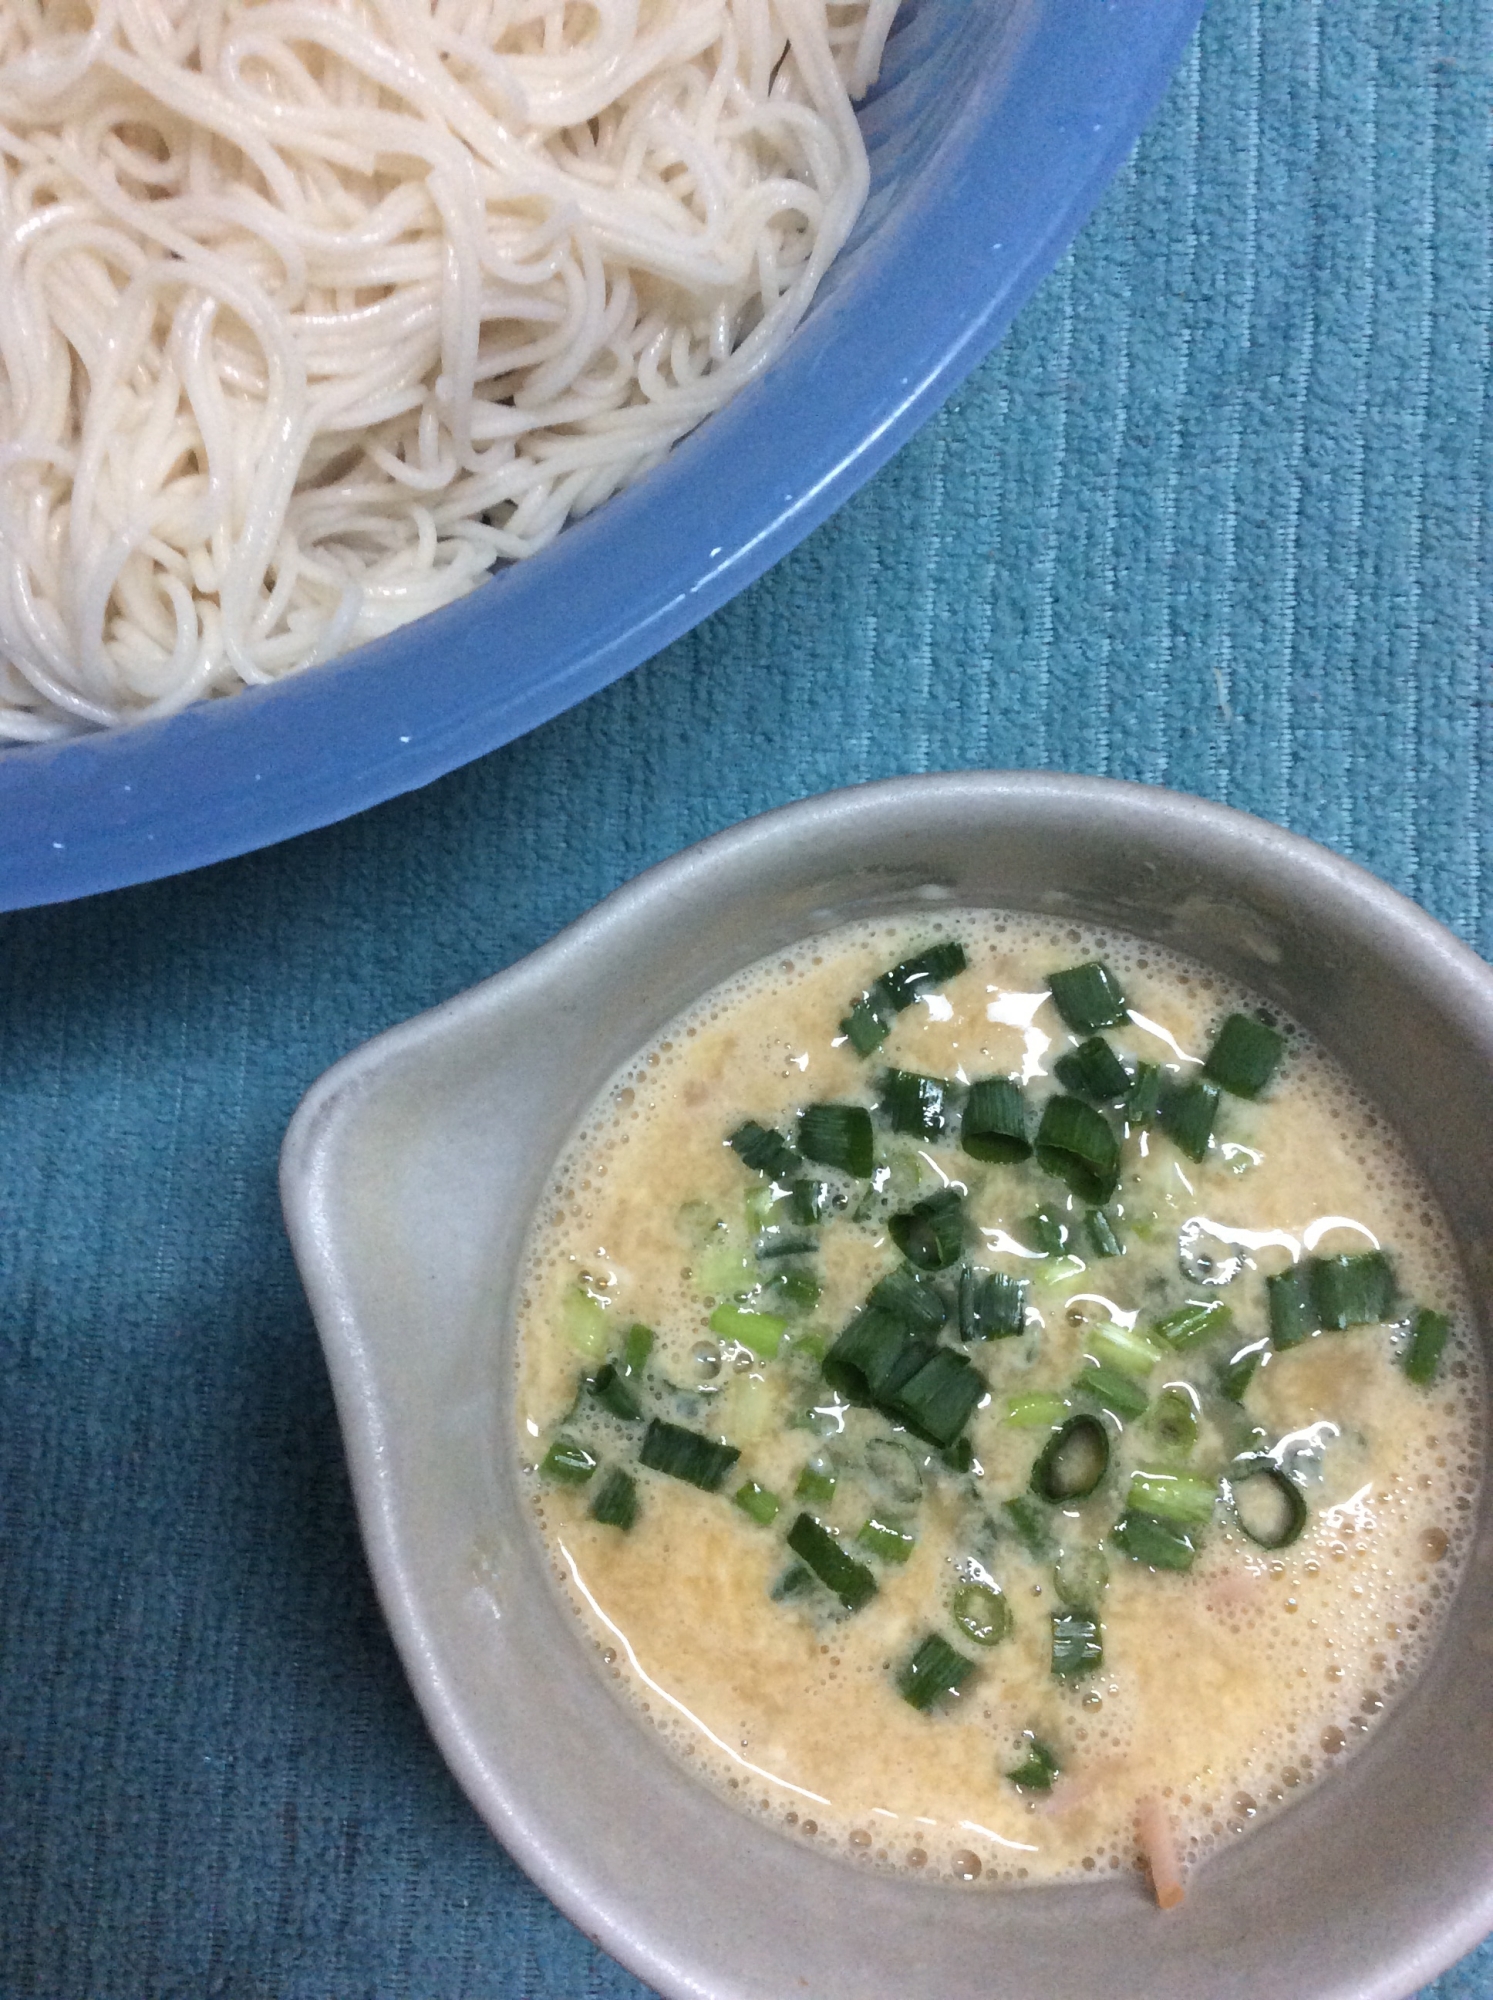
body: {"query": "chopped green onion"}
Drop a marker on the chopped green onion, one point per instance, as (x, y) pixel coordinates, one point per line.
(909, 1298)
(1172, 1496)
(616, 1501)
(759, 1206)
(1198, 1320)
(1112, 1387)
(699, 1461)
(1269, 1507)
(1077, 1145)
(816, 1483)
(981, 1613)
(837, 1135)
(1093, 1070)
(612, 1390)
(1428, 1337)
(758, 1503)
(1114, 1345)
(1158, 1544)
(915, 1104)
(959, 1456)
(794, 1292)
(1088, 997)
(1038, 1768)
(934, 1673)
(1077, 1647)
(1072, 1462)
(1174, 1419)
(994, 1123)
(874, 1356)
(872, 1015)
(794, 1581)
(1144, 1097)
(585, 1322)
(637, 1345)
(938, 1401)
(869, 1020)
(776, 1243)
(1047, 1231)
(894, 1467)
(886, 1540)
(850, 1580)
(1186, 1114)
(1081, 1577)
(1293, 1313)
(1038, 1410)
(809, 1201)
(992, 1305)
(568, 1462)
(1355, 1290)
(1032, 1525)
(1238, 1371)
(1244, 1056)
(764, 1151)
(1102, 1236)
(930, 1234)
(761, 1332)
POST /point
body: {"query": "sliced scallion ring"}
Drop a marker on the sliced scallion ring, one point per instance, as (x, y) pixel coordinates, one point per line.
(1073, 1461)
(1077, 1145)
(1269, 1507)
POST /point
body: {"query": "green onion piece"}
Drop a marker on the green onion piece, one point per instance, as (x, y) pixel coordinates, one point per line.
(1081, 1577)
(934, 1673)
(918, 975)
(994, 1123)
(792, 1292)
(992, 1305)
(1174, 1419)
(585, 1322)
(794, 1581)
(612, 1390)
(1427, 1338)
(1077, 1145)
(959, 1456)
(1077, 1647)
(850, 1580)
(616, 1501)
(1198, 1320)
(1238, 1371)
(1036, 1411)
(1093, 1070)
(1269, 1507)
(699, 1461)
(1072, 1462)
(1088, 997)
(764, 1151)
(930, 1234)
(869, 1020)
(896, 1469)
(568, 1462)
(914, 1103)
(637, 1345)
(1293, 1313)
(758, 1503)
(837, 1135)
(981, 1613)
(1357, 1290)
(809, 1201)
(1186, 1114)
(774, 1244)
(1038, 1768)
(761, 1332)
(1158, 1544)
(1102, 1236)
(816, 1483)
(1113, 1388)
(1116, 1346)
(887, 1540)
(1143, 1099)
(1244, 1056)
(938, 1401)
(1032, 1526)
(909, 1298)
(1047, 1231)
(874, 1356)
(1172, 1496)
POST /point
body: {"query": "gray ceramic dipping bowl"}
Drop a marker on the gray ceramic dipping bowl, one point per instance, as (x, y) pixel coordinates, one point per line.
(409, 1177)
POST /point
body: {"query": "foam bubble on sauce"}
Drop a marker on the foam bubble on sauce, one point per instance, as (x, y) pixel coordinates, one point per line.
(1344, 1620)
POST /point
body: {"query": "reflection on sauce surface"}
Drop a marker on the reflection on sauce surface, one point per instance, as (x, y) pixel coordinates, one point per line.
(1224, 1686)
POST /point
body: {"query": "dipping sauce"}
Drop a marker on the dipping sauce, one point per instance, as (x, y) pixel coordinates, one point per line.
(995, 1424)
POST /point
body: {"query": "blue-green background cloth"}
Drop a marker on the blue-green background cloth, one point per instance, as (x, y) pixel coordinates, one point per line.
(1214, 517)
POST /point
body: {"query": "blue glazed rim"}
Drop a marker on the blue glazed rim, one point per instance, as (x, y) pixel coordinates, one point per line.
(920, 297)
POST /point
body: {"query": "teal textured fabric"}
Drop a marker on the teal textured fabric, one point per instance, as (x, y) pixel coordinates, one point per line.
(1214, 516)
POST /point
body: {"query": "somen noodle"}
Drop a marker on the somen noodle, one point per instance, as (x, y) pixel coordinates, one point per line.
(314, 311)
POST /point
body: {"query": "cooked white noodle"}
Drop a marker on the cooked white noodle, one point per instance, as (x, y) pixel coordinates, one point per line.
(312, 311)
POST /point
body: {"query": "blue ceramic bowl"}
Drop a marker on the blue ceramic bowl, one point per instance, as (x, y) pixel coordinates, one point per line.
(995, 127)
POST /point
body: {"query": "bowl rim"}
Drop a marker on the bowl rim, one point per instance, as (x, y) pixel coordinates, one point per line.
(698, 873)
(1015, 176)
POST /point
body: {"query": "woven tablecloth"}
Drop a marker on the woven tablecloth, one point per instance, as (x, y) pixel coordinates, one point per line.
(1214, 516)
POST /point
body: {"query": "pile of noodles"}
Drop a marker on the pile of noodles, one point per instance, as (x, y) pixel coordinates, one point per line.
(313, 311)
